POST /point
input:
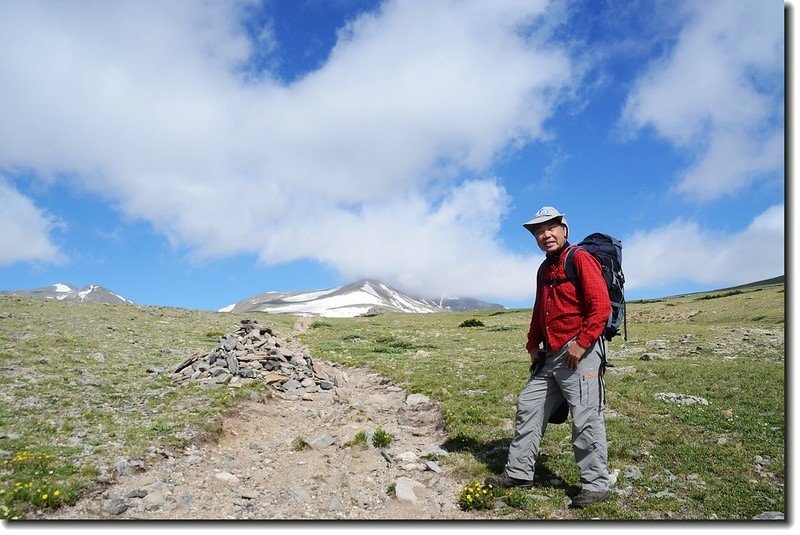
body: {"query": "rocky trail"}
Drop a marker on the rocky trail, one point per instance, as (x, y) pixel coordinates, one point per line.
(293, 454)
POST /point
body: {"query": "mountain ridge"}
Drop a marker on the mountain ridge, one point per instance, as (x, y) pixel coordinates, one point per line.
(364, 296)
(91, 293)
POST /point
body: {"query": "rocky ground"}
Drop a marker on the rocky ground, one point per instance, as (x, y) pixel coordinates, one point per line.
(293, 455)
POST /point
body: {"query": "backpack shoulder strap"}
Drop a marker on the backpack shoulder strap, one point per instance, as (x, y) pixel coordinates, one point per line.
(569, 265)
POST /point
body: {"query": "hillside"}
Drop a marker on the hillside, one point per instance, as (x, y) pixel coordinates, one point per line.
(91, 383)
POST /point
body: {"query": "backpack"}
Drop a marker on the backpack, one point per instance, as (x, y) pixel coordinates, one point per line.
(608, 252)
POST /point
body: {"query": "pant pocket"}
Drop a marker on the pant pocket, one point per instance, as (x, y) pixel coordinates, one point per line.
(590, 389)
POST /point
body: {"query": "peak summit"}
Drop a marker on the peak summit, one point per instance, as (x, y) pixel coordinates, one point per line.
(354, 299)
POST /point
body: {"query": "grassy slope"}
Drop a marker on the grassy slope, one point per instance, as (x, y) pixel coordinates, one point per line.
(76, 396)
(728, 350)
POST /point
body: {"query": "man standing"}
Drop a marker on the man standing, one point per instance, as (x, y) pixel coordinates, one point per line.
(565, 346)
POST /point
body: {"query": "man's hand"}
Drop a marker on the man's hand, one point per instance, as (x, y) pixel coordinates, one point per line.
(574, 353)
(537, 360)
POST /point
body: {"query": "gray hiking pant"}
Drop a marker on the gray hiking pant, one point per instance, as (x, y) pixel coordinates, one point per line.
(544, 392)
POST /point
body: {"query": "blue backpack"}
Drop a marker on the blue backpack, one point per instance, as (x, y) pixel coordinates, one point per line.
(608, 252)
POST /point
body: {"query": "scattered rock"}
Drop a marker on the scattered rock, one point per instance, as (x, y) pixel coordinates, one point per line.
(408, 490)
(154, 500)
(335, 504)
(125, 466)
(681, 399)
(632, 472)
(663, 494)
(248, 494)
(298, 494)
(417, 399)
(431, 465)
(770, 515)
(253, 352)
(319, 443)
(116, 507)
(613, 476)
(227, 477)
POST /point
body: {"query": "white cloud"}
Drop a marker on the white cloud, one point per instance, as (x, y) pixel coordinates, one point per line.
(25, 235)
(449, 248)
(146, 105)
(717, 95)
(686, 251)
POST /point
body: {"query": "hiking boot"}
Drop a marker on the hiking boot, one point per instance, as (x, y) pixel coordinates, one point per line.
(588, 497)
(504, 481)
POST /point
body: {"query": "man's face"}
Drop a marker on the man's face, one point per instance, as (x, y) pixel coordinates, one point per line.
(550, 235)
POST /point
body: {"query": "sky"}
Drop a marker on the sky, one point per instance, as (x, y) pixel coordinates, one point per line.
(197, 153)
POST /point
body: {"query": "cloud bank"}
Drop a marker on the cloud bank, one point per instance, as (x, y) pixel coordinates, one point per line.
(145, 105)
(379, 161)
(717, 96)
(685, 251)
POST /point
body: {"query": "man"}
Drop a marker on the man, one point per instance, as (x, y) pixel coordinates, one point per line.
(565, 346)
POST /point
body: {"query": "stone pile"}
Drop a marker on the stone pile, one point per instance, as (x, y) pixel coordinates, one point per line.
(254, 353)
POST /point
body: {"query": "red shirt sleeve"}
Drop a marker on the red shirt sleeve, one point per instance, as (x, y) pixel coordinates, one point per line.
(535, 334)
(595, 301)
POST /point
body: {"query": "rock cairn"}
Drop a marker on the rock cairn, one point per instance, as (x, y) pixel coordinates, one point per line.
(254, 353)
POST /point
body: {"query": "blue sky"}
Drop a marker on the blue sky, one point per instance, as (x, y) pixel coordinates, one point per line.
(194, 154)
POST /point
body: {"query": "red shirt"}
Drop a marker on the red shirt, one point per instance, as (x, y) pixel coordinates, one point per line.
(562, 311)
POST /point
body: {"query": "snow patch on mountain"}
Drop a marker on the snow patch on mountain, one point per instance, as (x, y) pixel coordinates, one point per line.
(352, 300)
(60, 291)
(342, 302)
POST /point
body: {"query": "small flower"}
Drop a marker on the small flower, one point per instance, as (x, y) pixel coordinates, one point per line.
(44, 496)
(57, 493)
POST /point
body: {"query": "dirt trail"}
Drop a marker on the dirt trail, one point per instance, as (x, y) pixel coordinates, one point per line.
(292, 457)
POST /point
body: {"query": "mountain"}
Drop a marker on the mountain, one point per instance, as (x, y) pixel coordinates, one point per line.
(465, 304)
(358, 298)
(91, 293)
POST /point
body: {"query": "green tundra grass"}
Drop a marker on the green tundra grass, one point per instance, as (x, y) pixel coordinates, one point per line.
(81, 389)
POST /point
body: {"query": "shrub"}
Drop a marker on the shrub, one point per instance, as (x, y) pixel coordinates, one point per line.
(38, 481)
(717, 296)
(476, 496)
(472, 322)
(360, 439)
(381, 438)
(299, 444)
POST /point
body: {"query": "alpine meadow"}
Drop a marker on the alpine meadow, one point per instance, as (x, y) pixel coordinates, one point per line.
(695, 399)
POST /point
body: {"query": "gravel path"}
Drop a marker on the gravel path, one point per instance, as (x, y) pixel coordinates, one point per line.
(293, 457)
